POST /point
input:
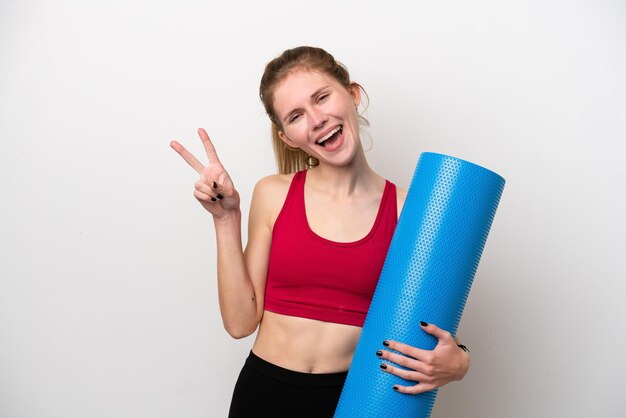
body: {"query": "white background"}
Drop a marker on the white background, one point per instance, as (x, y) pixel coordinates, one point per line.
(108, 302)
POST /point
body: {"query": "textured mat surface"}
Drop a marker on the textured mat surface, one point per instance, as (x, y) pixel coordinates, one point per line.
(427, 276)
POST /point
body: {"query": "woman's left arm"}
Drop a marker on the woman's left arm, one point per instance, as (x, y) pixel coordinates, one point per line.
(430, 369)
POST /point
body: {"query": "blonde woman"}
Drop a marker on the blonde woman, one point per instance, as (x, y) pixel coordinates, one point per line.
(318, 235)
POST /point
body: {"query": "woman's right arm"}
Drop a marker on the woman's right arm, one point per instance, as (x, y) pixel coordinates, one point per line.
(241, 276)
(242, 301)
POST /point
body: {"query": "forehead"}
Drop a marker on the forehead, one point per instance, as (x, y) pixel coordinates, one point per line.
(297, 88)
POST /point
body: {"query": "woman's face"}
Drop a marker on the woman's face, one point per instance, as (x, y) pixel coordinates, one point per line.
(318, 115)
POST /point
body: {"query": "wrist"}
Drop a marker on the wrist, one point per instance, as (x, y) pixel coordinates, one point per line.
(465, 361)
(227, 219)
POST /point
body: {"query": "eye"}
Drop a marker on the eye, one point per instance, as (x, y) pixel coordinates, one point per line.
(322, 97)
(294, 117)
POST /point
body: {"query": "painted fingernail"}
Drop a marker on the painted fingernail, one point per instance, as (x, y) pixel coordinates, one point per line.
(379, 353)
(219, 196)
(395, 388)
(213, 199)
(424, 324)
(386, 343)
(383, 366)
(214, 185)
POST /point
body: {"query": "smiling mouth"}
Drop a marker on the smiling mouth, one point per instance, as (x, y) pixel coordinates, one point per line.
(331, 137)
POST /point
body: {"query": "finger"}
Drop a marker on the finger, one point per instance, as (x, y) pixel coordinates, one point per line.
(420, 366)
(203, 186)
(214, 190)
(411, 375)
(414, 390)
(435, 331)
(187, 156)
(399, 359)
(208, 147)
(407, 350)
(203, 197)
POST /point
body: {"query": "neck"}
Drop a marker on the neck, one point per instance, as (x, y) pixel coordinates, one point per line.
(344, 180)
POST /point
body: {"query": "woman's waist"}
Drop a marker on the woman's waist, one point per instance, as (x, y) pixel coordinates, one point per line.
(306, 345)
(294, 377)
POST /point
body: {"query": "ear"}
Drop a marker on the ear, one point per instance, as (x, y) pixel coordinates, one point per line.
(355, 92)
(286, 140)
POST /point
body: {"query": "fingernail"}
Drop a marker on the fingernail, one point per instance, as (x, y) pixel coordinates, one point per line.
(219, 196)
(395, 388)
(213, 199)
(386, 343)
(383, 366)
(424, 324)
(379, 353)
(214, 185)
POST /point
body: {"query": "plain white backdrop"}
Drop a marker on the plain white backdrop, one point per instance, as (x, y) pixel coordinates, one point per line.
(108, 303)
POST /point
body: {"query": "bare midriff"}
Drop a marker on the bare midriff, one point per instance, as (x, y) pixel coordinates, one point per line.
(305, 345)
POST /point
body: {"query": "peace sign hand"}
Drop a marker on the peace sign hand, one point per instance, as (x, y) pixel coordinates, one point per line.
(214, 190)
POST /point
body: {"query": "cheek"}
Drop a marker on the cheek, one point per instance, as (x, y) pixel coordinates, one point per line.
(296, 132)
(348, 107)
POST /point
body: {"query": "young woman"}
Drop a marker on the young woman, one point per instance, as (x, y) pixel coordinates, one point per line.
(317, 239)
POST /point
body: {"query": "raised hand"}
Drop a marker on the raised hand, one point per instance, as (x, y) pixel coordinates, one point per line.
(214, 190)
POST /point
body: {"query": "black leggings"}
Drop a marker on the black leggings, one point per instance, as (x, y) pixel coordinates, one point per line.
(266, 390)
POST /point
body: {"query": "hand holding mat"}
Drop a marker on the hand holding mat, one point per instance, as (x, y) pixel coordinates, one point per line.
(427, 276)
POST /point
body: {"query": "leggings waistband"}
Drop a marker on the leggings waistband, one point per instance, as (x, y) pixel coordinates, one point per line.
(294, 377)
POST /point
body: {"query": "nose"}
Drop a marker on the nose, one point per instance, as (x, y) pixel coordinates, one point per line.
(318, 119)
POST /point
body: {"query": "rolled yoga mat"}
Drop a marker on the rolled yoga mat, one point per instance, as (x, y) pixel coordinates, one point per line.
(427, 275)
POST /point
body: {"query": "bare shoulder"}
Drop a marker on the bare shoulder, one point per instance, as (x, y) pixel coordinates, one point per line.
(274, 183)
(269, 195)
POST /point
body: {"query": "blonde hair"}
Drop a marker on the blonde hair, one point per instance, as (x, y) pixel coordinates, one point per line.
(288, 159)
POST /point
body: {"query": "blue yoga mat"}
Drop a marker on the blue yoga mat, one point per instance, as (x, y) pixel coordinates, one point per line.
(427, 276)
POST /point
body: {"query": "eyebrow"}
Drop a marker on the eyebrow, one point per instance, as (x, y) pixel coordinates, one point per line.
(315, 93)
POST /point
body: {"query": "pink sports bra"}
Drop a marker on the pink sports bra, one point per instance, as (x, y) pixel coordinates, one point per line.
(316, 278)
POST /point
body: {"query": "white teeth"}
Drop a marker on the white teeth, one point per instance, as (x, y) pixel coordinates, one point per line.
(328, 135)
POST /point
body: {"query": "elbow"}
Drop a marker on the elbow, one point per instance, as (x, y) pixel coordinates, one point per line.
(239, 332)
